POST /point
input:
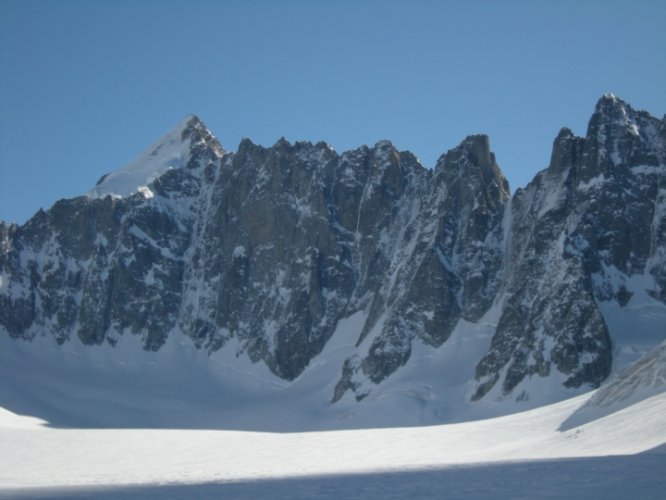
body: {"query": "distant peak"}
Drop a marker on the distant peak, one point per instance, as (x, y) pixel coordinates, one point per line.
(384, 144)
(565, 133)
(610, 104)
(190, 121)
(566, 148)
(476, 148)
(324, 145)
(191, 125)
(246, 146)
(171, 151)
(246, 142)
(476, 141)
(473, 150)
(282, 142)
(614, 116)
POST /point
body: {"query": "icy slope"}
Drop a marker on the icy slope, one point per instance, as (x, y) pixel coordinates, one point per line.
(642, 380)
(183, 387)
(180, 386)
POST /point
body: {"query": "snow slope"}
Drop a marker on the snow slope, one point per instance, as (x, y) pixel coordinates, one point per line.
(169, 152)
(643, 379)
(48, 462)
(560, 450)
(179, 386)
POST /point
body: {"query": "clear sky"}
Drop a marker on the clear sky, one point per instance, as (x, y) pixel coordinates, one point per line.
(85, 86)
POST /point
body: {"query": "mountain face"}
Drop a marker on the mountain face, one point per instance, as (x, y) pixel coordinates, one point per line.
(579, 232)
(273, 247)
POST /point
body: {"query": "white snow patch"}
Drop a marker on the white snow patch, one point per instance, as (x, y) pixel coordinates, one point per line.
(301, 206)
(142, 236)
(551, 201)
(615, 157)
(239, 252)
(10, 420)
(146, 192)
(633, 129)
(648, 170)
(639, 325)
(593, 183)
(270, 329)
(170, 152)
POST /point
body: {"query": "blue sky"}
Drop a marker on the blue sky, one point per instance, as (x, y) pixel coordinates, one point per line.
(88, 85)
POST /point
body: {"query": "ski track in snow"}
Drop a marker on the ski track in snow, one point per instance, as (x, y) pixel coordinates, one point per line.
(518, 455)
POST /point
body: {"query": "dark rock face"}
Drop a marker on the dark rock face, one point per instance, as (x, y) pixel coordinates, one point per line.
(274, 246)
(441, 265)
(579, 231)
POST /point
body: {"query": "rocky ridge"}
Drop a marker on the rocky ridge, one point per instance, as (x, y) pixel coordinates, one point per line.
(273, 247)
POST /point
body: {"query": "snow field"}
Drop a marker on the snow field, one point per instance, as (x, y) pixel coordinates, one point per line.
(43, 457)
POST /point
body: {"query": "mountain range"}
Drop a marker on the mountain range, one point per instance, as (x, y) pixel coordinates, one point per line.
(362, 275)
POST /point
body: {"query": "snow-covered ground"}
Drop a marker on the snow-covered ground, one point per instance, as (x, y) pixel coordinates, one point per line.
(181, 387)
(125, 423)
(519, 456)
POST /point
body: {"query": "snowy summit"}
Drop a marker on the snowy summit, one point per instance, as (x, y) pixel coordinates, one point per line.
(171, 151)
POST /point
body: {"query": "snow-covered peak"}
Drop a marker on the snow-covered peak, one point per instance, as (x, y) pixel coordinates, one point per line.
(385, 152)
(171, 151)
(472, 154)
(609, 101)
(566, 147)
(383, 144)
(613, 110)
(618, 133)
